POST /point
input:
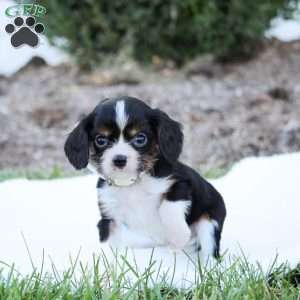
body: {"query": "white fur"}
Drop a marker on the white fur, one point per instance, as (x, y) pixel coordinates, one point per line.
(205, 231)
(129, 172)
(137, 207)
(121, 116)
(92, 168)
(123, 236)
(176, 230)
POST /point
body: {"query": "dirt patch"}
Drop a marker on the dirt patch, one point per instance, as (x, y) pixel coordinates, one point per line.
(228, 112)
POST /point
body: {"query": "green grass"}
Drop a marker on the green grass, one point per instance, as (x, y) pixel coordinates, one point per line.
(240, 280)
(214, 173)
(54, 173)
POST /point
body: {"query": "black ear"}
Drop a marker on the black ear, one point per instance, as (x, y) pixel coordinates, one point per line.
(77, 146)
(170, 136)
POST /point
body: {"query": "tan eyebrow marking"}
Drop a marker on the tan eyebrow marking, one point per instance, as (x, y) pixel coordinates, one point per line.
(133, 131)
(104, 131)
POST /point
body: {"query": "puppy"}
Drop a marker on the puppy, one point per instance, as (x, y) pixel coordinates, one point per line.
(146, 197)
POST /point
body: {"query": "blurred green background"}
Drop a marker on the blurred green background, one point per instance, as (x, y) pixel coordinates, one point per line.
(173, 30)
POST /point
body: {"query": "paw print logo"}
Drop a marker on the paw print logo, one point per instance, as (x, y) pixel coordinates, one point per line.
(27, 33)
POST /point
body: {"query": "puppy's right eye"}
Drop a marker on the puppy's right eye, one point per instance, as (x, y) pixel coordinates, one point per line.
(101, 141)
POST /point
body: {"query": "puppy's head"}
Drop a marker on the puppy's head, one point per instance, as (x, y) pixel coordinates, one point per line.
(123, 137)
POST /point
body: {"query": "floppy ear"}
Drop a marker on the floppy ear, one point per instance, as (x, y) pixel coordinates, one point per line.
(77, 146)
(170, 136)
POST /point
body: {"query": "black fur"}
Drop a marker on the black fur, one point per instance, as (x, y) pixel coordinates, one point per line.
(103, 227)
(180, 190)
(100, 183)
(170, 136)
(77, 146)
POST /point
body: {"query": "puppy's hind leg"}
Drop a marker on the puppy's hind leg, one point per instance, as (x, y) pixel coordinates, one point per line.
(208, 236)
(176, 229)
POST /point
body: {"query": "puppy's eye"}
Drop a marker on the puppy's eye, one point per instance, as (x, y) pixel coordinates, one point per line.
(101, 141)
(140, 140)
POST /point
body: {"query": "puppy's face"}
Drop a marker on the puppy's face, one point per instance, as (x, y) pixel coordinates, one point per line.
(122, 138)
(124, 143)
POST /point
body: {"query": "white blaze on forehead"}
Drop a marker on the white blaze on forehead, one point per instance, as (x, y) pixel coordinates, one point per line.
(121, 116)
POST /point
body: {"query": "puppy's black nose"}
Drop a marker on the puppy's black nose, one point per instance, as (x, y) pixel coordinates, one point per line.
(120, 161)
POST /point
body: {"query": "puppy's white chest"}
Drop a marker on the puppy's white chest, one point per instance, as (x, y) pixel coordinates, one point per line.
(136, 206)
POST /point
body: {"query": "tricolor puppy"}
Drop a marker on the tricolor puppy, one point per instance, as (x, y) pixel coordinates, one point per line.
(146, 197)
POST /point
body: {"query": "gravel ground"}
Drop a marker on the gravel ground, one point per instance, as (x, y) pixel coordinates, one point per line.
(228, 112)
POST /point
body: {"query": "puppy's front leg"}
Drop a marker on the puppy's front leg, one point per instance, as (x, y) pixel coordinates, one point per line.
(104, 229)
(176, 230)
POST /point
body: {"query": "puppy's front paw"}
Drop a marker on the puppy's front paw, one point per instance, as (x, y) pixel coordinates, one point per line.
(104, 228)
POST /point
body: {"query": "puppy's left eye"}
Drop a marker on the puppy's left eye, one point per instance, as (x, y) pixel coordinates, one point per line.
(101, 141)
(140, 140)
